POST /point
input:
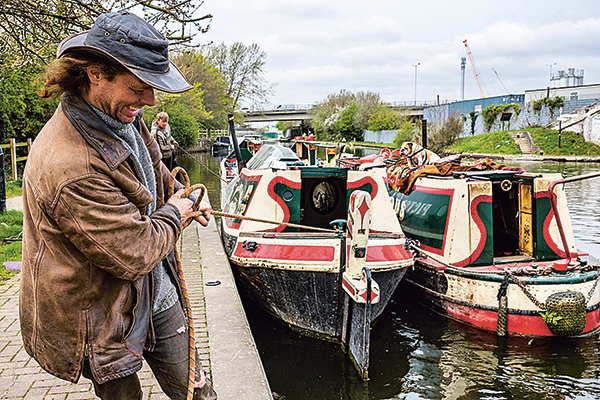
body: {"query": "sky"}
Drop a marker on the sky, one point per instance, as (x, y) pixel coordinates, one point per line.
(316, 47)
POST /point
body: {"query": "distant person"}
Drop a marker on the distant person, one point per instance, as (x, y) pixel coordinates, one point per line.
(161, 132)
(99, 288)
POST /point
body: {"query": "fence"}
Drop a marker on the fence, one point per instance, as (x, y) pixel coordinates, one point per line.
(13, 154)
(209, 133)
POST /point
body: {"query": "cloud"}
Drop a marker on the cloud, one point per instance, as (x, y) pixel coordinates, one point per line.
(318, 47)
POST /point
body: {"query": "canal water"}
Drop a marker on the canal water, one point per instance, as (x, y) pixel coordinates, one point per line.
(417, 354)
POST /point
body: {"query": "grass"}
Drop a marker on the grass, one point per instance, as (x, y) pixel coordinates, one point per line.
(571, 143)
(490, 143)
(14, 188)
(11, 226)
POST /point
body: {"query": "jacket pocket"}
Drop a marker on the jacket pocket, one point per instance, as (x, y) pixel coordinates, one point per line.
(130, 309)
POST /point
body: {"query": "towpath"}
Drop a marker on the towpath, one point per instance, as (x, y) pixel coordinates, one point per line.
(223, 335)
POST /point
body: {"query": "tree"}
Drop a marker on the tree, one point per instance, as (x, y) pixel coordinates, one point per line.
(22, 112)
(473, 118)
(30, 30)
(284, 126)
(385, 119)
(211, 87)
(242, 67)
(184, 126)
(348, 123)
(344, 115)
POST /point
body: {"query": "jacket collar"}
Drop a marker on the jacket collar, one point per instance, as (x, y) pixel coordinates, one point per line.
(95, 131)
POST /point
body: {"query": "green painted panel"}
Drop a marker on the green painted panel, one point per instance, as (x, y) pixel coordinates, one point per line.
(327, 172)
(423, 216)
(542, 251)
(485, 212)
(290, 198)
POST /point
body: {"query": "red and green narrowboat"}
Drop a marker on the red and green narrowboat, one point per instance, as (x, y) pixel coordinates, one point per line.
(495, 249)
(316, 246)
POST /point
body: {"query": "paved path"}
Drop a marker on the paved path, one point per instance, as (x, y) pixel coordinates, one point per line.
(223, 336)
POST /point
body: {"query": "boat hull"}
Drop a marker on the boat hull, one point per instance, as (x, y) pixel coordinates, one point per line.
(299, 280)
(471, 298)
(309, 301)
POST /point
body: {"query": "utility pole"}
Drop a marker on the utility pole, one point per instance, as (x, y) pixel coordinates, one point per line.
(416, 65)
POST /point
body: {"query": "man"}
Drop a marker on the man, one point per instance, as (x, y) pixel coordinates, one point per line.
(98, 287)
(161, 132)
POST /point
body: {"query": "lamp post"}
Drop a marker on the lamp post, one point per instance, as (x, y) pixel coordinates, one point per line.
(550, 65)
(416, 65)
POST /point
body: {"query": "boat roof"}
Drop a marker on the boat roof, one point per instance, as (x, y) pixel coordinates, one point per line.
(274, 156)
(490, 175)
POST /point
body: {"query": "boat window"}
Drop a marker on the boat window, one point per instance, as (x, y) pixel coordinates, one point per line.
(323, 200)
(323, 197)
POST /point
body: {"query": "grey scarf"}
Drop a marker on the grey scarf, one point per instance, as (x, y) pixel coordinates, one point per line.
(165, 294)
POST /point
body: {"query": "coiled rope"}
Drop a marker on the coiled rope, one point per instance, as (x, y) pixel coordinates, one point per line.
(184, 291)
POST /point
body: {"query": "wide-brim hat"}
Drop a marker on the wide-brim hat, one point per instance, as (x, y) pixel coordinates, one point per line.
(133, 43)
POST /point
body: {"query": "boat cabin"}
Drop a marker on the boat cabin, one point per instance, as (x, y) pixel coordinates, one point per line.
(308, 195)
(488, 217)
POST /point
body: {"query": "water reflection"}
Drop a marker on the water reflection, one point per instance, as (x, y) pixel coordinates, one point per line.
(417, 354)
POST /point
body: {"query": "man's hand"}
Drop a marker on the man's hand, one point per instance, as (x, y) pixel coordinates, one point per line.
(184, 205)
(185, 208)
(205, 209)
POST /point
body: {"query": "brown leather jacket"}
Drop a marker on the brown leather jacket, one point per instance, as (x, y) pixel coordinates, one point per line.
(88, 248)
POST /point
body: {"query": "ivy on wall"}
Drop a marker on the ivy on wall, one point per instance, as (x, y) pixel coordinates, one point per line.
(490, 114)
(552, 104)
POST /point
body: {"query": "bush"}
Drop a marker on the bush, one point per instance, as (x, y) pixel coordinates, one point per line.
(406, 133)
(184, 126)
(444, 132)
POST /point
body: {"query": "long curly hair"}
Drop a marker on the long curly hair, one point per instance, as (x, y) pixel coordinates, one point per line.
(69, 73)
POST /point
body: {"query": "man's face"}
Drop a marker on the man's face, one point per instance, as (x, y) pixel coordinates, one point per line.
(162, 123)
(122, 98)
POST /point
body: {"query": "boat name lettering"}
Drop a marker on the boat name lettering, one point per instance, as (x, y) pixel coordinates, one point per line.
(415, 207)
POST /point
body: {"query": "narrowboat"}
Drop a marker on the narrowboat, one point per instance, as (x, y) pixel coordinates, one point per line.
(495, 248)
(222, 146)
(316, 246)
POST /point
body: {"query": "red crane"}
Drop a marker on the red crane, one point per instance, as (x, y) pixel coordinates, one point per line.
(474, 68)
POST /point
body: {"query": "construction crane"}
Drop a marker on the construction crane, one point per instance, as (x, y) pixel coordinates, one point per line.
(474, 68)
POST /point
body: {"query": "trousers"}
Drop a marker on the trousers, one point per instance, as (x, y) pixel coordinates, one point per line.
(169, 361)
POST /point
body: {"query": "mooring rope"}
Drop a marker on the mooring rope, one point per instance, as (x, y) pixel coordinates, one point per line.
(198, 161)
(267, 221)
(184, 291)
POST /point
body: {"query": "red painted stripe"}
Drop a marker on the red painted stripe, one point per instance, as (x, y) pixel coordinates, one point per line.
(362, 182)
(280, 202)
(517, 324)
(480, 226)
(387, 253)
(288, 253)
(348, 286)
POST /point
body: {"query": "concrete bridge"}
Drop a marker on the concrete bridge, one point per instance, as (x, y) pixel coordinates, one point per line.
(290, 113)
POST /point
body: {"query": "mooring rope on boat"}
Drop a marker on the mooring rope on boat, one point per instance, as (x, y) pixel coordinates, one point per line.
(267, 221)
(198, 161)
